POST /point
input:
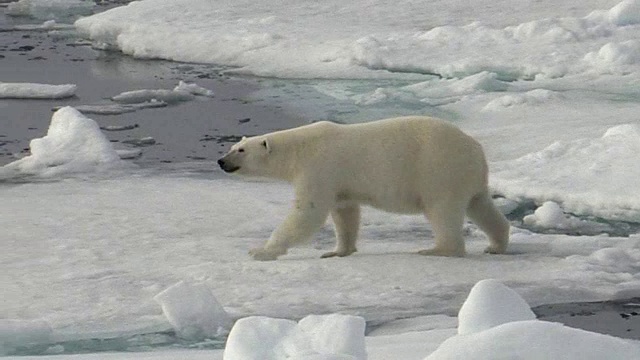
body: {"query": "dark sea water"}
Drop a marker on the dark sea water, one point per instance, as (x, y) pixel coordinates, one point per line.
(192, 131)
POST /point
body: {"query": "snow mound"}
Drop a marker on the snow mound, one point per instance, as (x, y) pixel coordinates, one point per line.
(614, 58)
(585, 175)
(534, 340)
(21, 333)
(36, 91)
(550, 216)
(489, 304)
(49, 9)
(496, 323)
(193, 311)
(319, 337)
(73, 144)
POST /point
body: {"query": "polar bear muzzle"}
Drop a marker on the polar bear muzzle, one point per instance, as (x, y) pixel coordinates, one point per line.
(227, 166)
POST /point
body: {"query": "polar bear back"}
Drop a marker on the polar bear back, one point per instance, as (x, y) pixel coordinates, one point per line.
(396, 164)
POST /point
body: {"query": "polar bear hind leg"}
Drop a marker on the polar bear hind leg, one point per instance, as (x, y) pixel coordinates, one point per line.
(447, 219)
(346, 219)
(483, 212)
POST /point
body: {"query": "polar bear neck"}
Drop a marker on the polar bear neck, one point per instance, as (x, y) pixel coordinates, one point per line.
(292, 148)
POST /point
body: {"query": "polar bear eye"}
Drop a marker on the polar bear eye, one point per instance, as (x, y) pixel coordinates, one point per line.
(240, 150)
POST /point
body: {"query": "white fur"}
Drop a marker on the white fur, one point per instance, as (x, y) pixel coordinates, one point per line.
(402, 165)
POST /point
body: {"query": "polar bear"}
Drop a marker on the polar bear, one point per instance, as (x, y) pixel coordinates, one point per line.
(407, 165)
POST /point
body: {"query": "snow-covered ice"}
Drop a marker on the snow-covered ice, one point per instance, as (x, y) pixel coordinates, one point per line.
(588, 176)
(549, 88)
(36, 91)
(73, 144)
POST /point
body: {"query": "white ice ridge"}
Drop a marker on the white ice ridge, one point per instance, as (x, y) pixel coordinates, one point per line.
(337, 39)
(73, 144)
(36, 91)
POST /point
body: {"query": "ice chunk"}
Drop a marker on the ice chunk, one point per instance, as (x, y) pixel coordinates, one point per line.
(36, 91)
(336, 334)
(489, 304)
(74, 143)
(320, 337)
(257, 338)
(193, 311)
(548, 215)
(551, 216)
(147, 95)
(193, 89)
(534, 340)
(22, 333)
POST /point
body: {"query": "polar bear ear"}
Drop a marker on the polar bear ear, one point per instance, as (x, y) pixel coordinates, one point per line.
(243, 138)
(265, 144)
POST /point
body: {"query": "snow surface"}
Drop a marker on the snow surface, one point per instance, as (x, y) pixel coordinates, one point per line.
(36, 91)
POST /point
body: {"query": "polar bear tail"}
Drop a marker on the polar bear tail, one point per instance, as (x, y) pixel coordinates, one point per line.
(485, 214)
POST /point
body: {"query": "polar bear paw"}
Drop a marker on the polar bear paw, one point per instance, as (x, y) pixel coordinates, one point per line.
(264, 254)
(442, 252)
(495, 249)
(341, 253)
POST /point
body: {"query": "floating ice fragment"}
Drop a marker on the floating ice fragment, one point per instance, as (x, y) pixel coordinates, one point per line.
(143, 96)
(36, 91)
(193, 89)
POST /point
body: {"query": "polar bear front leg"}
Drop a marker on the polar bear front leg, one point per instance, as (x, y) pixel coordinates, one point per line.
(302, 221)
(347, 222)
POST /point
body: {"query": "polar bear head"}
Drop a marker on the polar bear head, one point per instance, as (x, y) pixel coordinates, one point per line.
(247, 157)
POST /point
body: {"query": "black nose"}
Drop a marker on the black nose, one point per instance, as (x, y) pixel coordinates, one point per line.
(221, 162)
